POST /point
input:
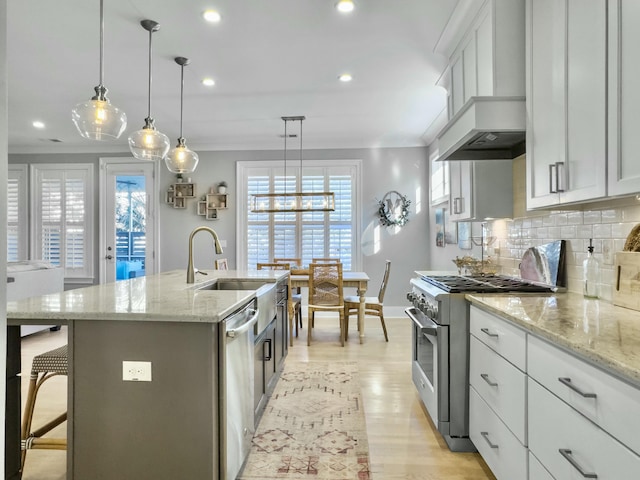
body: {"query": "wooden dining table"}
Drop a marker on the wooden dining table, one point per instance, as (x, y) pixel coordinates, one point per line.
(358, 280)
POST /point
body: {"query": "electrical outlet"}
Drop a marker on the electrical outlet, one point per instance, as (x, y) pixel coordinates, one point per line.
(136, 371)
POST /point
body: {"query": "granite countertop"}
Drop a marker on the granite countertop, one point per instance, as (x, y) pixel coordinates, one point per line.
(598, 331)
(163, 297)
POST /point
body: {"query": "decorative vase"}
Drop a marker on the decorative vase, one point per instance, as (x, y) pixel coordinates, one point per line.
(222, 190)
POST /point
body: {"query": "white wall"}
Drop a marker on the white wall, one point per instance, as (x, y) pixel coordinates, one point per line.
(3, 210)
(401, 169)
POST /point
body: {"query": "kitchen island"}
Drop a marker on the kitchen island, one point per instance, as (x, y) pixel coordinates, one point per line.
(554, 386)
(166, 428)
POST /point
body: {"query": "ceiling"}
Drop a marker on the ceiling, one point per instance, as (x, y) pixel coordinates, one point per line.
(269, 58)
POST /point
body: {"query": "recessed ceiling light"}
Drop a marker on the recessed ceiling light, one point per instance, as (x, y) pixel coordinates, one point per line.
(345, 6)
(345, 77)
(208, 82)
(212, 16)
(38, 124)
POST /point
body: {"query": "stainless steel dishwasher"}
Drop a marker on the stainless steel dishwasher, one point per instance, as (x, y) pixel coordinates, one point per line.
(236, 389)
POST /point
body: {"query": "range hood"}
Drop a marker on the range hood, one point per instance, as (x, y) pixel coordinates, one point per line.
(485, 128)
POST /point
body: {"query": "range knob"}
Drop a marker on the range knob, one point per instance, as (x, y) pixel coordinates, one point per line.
(432, 311)
(410, 296)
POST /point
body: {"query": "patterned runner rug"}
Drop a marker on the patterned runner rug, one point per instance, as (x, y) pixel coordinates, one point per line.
(313, 426)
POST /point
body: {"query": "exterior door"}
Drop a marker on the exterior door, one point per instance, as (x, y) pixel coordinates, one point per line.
(128, 220)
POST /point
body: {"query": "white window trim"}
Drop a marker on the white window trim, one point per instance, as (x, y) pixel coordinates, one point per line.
(87, 276)
(241, 188)
(20, 173)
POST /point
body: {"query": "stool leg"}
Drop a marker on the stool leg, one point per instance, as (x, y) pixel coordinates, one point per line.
(27, 416)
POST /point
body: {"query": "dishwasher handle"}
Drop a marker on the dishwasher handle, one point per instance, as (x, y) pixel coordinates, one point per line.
(245, 326)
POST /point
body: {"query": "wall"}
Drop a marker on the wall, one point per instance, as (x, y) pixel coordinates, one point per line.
(401, 169)
(3, 212)
(608, 223)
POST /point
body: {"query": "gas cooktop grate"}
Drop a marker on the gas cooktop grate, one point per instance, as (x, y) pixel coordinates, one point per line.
(484, 284)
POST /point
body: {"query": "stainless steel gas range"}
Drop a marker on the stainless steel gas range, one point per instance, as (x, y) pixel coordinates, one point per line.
(440, 362)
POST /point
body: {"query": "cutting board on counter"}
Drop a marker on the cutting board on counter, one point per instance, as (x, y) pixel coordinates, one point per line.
(626, 288)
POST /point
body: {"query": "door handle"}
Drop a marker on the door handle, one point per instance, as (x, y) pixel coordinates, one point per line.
(566, 453)
(485, 377)
(268, 356)
(109, 257)
(485, 435)
(567, 382)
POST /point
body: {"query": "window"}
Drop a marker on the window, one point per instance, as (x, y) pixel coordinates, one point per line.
(305, 235)
(17, 216)
(439, 181)
(62, 197)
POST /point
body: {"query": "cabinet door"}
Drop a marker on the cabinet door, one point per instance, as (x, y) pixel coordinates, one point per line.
(457, 85)
(461, 190)
(566, 443)
(545, 82)
(624, 97)
(469, 69)
(586, 72)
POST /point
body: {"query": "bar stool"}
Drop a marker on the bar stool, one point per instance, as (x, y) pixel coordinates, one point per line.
(44, 367)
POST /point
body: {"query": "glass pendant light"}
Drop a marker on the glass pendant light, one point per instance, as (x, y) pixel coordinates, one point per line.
(97, 119)
(181, 159)
(148, 143)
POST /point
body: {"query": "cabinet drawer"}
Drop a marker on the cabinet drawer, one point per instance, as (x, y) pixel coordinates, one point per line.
(554, 427)
(506, 339)
(501, 385)
(616, 406)
(504, 454)
(536, 470)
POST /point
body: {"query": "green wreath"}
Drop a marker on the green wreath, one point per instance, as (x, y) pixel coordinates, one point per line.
(388, 217)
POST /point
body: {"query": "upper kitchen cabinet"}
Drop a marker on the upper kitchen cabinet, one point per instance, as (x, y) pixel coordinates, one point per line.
(485, 81)
(481, 190)
(624, 97)
(566, 101)
(488, 61)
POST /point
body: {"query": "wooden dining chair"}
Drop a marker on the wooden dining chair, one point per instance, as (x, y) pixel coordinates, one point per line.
(326, 260)
(294, 301)
(293, 262)
(372, 305)
(325, 294)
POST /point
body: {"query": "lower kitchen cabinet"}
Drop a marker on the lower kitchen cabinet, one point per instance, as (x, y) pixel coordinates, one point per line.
(265, 368)
(571, 446)
(579, 422)
(282, 324)
(536, 470)
(499, 447)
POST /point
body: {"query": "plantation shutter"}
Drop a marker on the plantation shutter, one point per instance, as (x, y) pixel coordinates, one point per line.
(304, 235)
(63, 231)
(17, 217)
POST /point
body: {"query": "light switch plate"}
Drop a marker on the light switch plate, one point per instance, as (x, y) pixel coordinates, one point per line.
(136, 371)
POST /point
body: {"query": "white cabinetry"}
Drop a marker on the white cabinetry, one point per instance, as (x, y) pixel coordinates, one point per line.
(497, 394)
(488, 60)
(577, 420)
(624, 97)
(480, 190)
(566, 101)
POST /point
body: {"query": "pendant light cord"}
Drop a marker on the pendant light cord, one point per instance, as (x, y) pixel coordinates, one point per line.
(301, 154)
(149, 96)
(285, 156)
(100, 84)
(181, 95)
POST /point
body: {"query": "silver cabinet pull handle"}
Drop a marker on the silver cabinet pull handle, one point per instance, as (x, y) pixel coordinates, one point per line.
(552, 167)
(566, 453)
(567, 382)
(487, 332)
(485, 377)
(485, 435)
(559, 166)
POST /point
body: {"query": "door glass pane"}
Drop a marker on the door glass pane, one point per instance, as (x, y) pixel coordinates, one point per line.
(131, 222)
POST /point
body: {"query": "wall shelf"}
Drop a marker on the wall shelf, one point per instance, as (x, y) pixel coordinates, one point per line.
(211, 203)
(178, 193)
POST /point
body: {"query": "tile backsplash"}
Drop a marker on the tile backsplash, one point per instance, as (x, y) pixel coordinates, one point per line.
(607, 223)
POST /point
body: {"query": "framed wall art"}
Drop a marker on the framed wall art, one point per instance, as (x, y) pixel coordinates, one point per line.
(450, 229)
(464, 235)
(440, 227)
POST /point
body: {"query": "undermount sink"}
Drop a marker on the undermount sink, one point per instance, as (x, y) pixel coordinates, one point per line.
(232, 284)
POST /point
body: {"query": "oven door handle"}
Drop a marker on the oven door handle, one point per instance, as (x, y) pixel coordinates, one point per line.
(431, 328)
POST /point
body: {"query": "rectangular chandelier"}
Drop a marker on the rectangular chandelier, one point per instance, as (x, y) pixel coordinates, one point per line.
(293, 202)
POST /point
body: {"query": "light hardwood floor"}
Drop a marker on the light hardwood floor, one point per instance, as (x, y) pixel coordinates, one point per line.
(403, 443)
